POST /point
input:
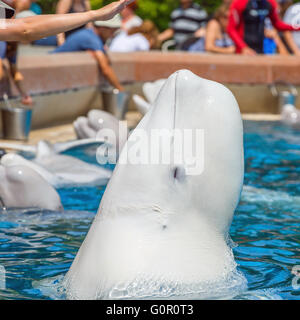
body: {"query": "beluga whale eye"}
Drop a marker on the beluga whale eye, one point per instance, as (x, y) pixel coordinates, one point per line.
(179, 173)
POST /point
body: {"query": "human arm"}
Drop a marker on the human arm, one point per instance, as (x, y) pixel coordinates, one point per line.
(165, 35)
(106, 69)
(291, 42)
(1, 69)
(21, 5)
(200, 33)
(87, 5)
(212, 31)
(40, 26)
(277, 22)
(88, 8)
(62, 7)
(280, 45)
(235, 19)
(273, 34)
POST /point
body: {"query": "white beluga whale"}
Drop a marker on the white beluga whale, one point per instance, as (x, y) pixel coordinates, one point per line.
(60, 170)
(23, 187)
(96, 124)
(151, 91)
(87, 127)
(161, 230)
(141, 104)
(57, 148)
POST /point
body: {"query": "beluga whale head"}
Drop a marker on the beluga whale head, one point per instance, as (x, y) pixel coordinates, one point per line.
(23, 187)
(163, 222)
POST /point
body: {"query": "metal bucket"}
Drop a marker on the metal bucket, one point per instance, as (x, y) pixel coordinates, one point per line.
(16, 123)
(115, 102)
(286, 98)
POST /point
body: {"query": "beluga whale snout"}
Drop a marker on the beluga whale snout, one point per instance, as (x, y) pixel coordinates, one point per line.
(160, 231)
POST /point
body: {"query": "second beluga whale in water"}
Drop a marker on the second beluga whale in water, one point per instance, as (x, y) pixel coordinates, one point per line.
(57, 169)
(161, 232)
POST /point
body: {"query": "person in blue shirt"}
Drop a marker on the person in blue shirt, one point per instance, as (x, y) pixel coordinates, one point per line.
(82, 40)
(92, 40)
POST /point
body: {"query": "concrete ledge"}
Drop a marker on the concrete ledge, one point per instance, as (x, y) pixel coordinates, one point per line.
(149, 66)
(233, 69)
(66, 85)
(56, 72)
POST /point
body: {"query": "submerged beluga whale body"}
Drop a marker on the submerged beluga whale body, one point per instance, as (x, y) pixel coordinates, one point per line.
(161, 232)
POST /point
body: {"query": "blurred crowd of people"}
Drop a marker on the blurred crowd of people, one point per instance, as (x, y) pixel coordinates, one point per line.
(246, 27)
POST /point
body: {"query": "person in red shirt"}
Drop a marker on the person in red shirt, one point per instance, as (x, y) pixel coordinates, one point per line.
(247, 24)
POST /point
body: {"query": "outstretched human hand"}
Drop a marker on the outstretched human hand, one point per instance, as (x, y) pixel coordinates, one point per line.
(41, 26)
(109, 11)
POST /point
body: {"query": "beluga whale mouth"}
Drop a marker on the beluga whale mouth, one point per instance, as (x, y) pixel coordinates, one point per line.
(162, 227)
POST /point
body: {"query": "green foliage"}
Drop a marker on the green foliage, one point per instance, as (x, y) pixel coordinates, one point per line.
(159, 10)
(96, 4)
(48, 6)
(156, 10)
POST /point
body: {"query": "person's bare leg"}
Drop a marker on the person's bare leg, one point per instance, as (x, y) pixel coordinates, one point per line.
(18, 80)
(1, 70)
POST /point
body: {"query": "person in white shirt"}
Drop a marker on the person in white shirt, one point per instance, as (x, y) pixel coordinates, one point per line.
(292, 16)
(141, 38)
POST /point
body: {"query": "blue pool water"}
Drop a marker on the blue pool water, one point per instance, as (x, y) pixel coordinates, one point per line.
(37, 248)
